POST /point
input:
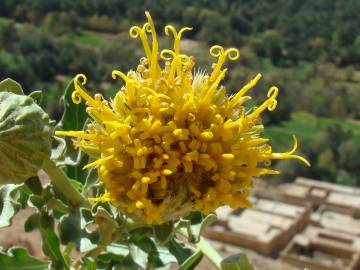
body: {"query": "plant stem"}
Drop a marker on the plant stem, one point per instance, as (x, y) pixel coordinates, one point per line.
(208, 250)
(63, 184)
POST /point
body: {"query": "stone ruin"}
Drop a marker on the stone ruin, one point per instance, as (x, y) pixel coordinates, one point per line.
(306, 223)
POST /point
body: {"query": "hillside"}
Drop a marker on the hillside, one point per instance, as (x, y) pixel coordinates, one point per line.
(310, 50)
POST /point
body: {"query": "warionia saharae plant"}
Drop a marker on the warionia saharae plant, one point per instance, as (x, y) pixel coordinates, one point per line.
(147, 166)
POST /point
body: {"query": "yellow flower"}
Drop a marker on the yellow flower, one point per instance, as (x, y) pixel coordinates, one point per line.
(171, 141)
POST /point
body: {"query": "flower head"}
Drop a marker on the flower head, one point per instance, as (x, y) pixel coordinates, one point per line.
(171, 141)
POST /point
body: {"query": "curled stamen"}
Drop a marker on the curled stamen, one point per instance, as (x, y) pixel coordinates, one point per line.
(233, 54)
(154, 51)
(136, 32)
(147, 27)
(292, 151)
(289, 154)
(117, 73)
(79, 94)
(178, 60)
(183, 58)
(272, 95)
(156, 94)
(177, 36)
(131, 84)
(216, 51)
(81, 78)
(167, 55)
(76, 97)
(221, 54)
(243, 91)
(170, 28)
(182, 30)
(269, 104)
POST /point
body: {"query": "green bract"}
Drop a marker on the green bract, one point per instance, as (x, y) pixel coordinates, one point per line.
(24, 137)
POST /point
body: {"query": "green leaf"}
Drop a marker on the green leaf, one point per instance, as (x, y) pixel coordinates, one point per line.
(118, 249)
(145, 253)
(32, 223)
(76, 171)
(139, 248)
(34, 185)
(74, 115)
(106, 224)
(51, 247)
(195, 223)
(164, 232)
(58, 150)
(74, 118)
(192, 261)
(8, 206)
(165, 255)
(209, 251)
(72, 229)
(51, 243)
(39, 201)
(181, 251)
(37, 96)
(89, 264)
(114, 253)
(57, 205)
(128, 264)
(236, 262)
(19, 259)
(24, 194)
(91, 179)
(9, 85)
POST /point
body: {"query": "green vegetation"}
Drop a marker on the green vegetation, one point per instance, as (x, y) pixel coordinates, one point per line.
(309, 126)
(309, 49)
(85, 38)
(332, 145)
